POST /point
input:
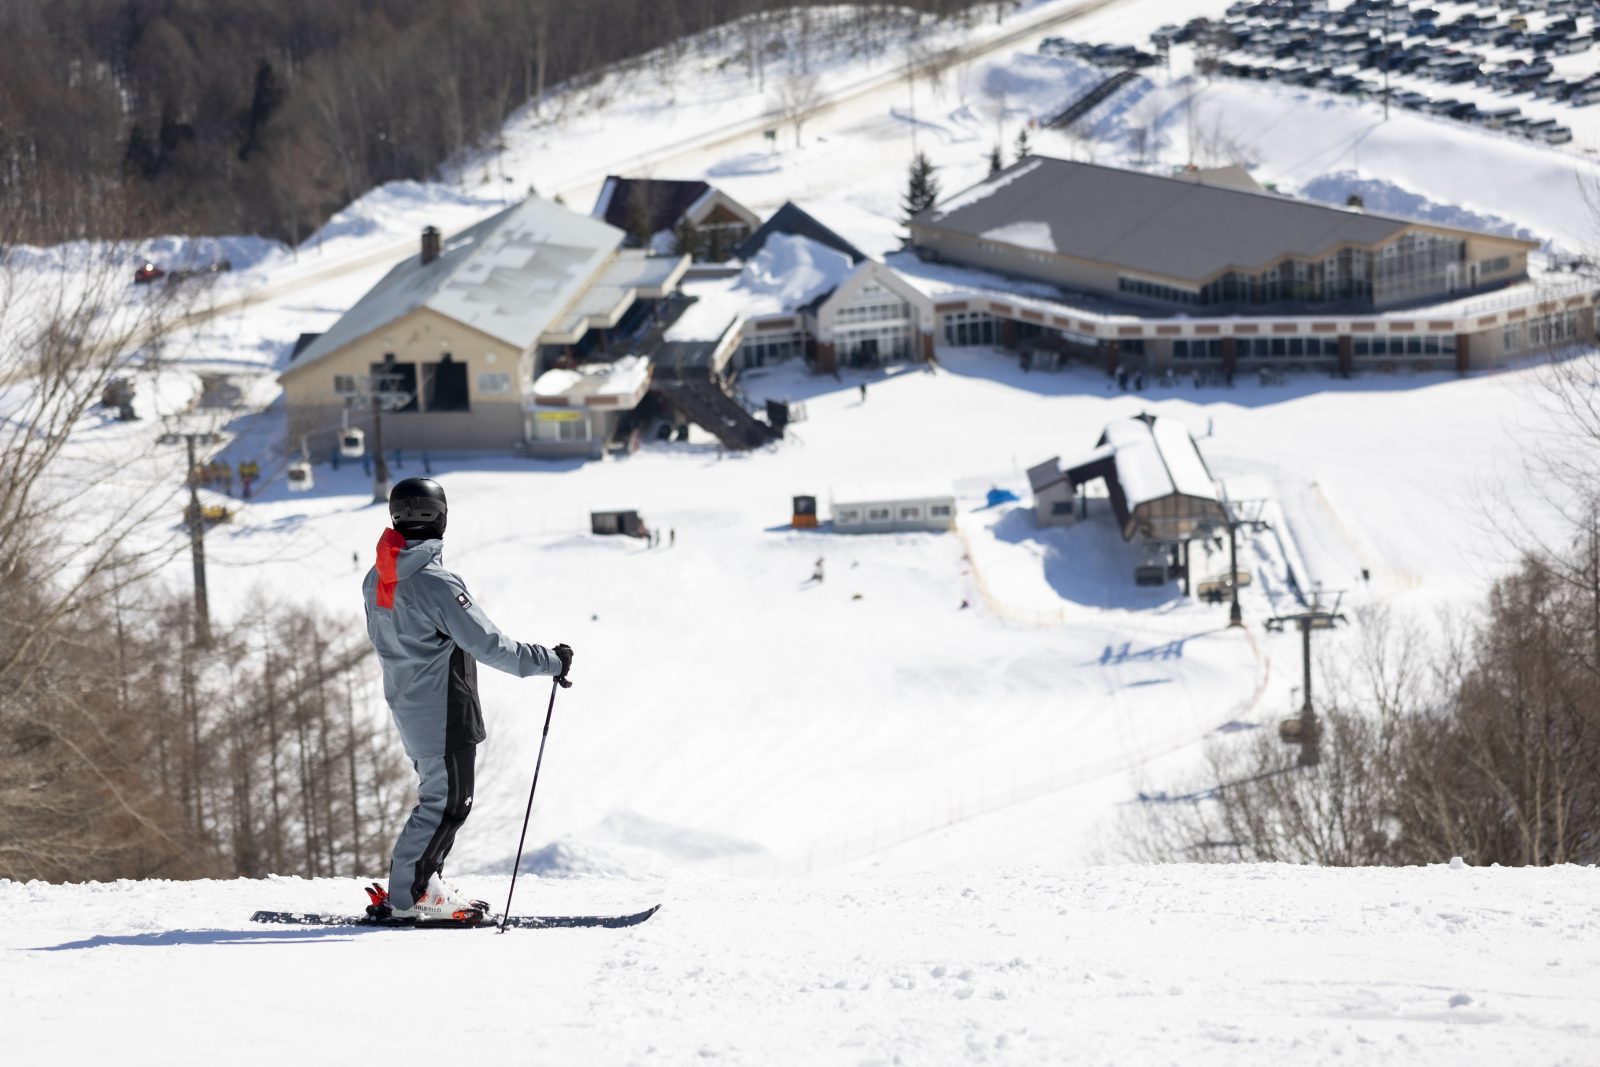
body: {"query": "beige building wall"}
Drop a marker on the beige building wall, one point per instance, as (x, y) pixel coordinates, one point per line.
(924, 320)
(1045, 501)
(497, 374)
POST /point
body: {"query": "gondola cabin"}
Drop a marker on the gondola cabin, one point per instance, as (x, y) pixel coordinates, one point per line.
(299, 477)
(352, 443)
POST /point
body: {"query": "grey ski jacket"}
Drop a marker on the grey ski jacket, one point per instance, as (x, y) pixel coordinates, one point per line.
(430, 636)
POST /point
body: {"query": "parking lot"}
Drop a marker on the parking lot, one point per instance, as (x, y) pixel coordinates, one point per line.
(1495, 64)
(1522, 67)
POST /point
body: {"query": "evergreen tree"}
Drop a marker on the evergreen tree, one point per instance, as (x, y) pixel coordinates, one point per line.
(1023, 148)
(922, 191)
(996, 164)
(687, 240)
(265, 99)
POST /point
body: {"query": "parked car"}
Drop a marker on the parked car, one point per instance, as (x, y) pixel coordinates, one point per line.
(185, 273)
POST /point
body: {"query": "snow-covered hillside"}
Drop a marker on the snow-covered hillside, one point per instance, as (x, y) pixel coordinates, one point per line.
(868, 802)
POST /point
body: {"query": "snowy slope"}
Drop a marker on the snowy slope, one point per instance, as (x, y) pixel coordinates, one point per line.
(732, 713)
(1124, 965)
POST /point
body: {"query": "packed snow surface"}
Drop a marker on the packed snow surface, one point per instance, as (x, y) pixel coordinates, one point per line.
(1193, 965)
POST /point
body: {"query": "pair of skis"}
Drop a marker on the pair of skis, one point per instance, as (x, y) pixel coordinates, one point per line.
(518, 922)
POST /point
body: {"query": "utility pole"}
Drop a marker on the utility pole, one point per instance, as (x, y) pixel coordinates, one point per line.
(380, 466)
(381, 394)
(1235, 616)
(197, 550)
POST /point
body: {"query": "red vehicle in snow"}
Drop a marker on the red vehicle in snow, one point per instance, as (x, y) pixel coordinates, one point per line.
(147, 273)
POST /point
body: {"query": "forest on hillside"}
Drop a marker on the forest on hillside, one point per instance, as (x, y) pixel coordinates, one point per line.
(138, 117)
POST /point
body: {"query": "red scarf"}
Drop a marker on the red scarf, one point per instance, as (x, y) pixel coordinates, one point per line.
(389, 547)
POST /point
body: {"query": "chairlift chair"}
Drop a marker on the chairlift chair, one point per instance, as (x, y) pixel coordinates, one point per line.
(299, 477)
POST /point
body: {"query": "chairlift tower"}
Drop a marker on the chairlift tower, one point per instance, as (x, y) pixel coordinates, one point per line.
(1305, 730)
(1239, 513)
(378, 393)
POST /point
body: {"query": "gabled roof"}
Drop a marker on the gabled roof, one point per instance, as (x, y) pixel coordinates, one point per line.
(1044, 475)
(662, 201)
(1189, 230)
(508, 277)
(791, 219)
(1156, 457)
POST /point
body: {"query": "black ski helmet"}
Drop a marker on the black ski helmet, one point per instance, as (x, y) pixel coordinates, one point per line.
(418, 508)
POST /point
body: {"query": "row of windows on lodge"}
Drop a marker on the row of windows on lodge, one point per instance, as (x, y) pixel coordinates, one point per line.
(1544, 331)
(1295, 347)
(908, 513)
(980, 328)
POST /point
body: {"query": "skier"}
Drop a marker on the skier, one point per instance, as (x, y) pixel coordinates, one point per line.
(429, 634)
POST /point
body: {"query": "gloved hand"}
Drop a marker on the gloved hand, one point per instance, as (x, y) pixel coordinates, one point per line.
(564, 654)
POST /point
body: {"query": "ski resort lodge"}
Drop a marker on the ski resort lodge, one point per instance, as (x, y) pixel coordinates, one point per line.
(477, 343)
(1211, 270)
(540, 329)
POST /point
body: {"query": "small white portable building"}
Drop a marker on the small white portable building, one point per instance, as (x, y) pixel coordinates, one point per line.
(894, 507)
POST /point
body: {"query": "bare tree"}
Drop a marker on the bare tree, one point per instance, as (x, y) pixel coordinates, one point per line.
(795, 98)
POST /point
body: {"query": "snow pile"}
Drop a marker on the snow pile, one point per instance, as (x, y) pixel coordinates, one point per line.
(395, 207)
(788, 273)
(621, 377)
(794, 270)
(1025, 234)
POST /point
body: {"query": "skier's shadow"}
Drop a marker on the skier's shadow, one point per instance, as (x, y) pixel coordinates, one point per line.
(167, 938)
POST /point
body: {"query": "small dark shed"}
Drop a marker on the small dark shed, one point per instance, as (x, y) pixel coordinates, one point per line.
(618, 522)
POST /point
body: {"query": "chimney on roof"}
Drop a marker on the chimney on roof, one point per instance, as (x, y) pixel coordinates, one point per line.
(430, 244)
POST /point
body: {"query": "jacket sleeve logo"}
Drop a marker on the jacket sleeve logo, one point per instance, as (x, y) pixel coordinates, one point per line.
(463, 600)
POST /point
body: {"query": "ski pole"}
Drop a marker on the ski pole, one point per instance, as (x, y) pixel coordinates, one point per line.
(555, 684)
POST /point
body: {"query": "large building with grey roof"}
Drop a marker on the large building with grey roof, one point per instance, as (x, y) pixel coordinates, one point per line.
(454, 337)
(1192, 244)
(1209, 269)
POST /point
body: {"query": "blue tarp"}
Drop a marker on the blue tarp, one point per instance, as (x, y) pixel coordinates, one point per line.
(1000, 496)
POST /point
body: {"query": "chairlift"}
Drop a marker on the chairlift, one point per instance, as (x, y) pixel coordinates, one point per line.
(1150, 574)
(352, 443)
(299, 477)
